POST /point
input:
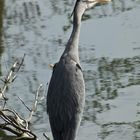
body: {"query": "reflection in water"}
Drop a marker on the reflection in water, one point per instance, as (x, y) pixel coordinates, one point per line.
(130, 130)
(111, 75)
(32, 27)
(1, 31)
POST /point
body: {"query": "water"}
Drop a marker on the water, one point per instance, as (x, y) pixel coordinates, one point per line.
(109, 54)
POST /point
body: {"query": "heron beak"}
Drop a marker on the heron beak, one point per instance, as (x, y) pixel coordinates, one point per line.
(103, 1)
(92, 3)
(98, 1)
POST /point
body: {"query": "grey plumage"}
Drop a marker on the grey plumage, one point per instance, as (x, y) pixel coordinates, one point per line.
(66, 92)
(64, 109)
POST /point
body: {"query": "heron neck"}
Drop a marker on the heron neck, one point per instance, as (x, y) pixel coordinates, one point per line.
(73, 42)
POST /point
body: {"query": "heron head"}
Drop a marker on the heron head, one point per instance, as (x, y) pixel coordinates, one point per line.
(82, 5)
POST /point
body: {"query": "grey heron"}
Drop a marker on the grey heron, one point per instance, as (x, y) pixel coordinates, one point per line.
(66, 91)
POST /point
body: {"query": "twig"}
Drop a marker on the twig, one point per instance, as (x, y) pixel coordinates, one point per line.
(7, 81)
(45, 135)
(24, 104)
(35, 103)
(21, 63)
(5, 127)
(11, 76)
(15, 115)
(14, 125)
